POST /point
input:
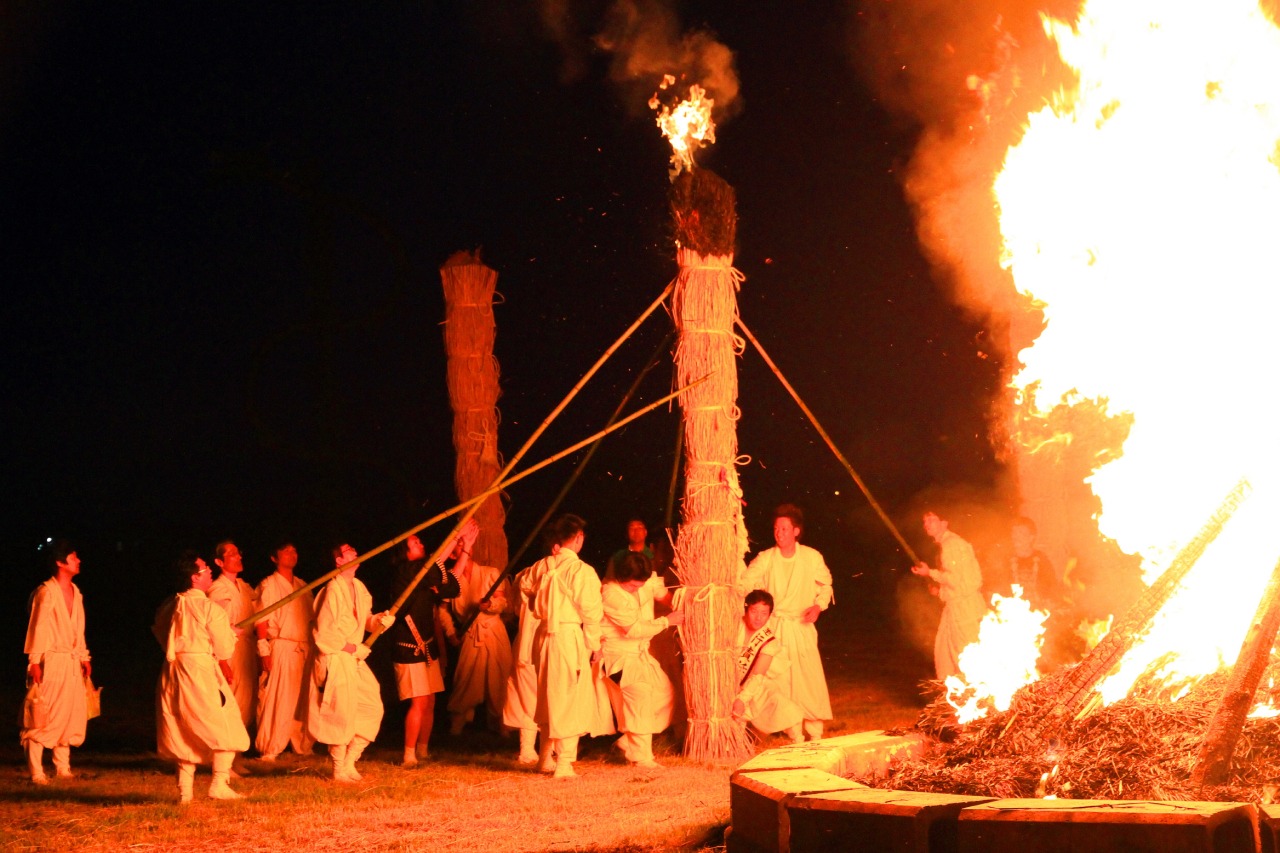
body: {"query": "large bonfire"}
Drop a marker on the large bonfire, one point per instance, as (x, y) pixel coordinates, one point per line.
(1139, 210)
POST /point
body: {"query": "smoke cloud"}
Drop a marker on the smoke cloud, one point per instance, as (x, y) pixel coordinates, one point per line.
(968, 74)
(643, 40)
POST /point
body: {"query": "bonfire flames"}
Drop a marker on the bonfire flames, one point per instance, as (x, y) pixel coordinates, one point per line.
(687, 125)
(1002, 661)
(1138, 211)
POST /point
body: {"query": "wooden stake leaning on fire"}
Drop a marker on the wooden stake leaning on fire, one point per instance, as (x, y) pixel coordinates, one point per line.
(713, 538)
(866, 492)
(1078, 687)
(472, 374)
(468, 506)
(1214, 761)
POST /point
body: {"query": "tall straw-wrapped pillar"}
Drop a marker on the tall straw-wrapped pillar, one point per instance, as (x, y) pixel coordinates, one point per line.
(472, 372)
(712, 538)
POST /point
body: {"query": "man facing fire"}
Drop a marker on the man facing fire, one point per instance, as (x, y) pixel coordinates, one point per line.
(959, 585)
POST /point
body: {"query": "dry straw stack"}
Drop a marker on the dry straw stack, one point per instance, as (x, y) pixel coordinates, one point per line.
(472, 373)
(712, 538)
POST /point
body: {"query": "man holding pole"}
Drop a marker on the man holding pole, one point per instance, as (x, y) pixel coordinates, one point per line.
(285, 653)
(959, 585)
(345, 707)
(415, 650)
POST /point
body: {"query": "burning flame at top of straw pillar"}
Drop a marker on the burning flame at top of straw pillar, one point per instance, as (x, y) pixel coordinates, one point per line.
(1141, 209)
(687, 125)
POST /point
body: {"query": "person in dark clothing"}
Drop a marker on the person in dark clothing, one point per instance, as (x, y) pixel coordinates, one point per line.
(1030, 569)
(415, 649)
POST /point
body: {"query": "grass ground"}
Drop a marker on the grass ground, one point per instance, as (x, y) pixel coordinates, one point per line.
(469, 797)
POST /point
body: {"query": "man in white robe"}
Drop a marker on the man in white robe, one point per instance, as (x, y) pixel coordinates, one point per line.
(521, 704)
(799, 581)
(284, 653)
(640, 692)
(197, 719)
(567, 601)
(57, 665)
(484, 652)
(959, 585)
(240, 601)
(762, 698)
(345, 702)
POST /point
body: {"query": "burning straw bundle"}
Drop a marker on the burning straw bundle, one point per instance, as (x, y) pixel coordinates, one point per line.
(712, 539)
(1143, 747)
(472, 372)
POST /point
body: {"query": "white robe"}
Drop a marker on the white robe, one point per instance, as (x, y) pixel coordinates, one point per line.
(770, 710)
(344, 697)
(55, 640)
(484, 657)
(959, 580)
(282, 692)
(522, 685)
(796, 584)
(572, 699)
(240, 601)
(196, 713)
(640, 692)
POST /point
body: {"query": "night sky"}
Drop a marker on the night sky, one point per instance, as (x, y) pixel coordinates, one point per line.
(223, 227)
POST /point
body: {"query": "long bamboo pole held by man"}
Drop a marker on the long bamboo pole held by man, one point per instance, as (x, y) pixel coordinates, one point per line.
(875, 505)
(454, 510)
(519, 454)
(468, 505)
(509, 568)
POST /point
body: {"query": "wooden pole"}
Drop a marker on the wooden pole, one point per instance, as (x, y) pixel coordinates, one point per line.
(1214, 761)
(676, 458)
(831, 444)
(454, 510)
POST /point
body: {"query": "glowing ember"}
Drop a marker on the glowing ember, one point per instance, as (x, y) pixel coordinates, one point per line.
(1266, 710)
(1002, 661)
(1141, 209)
(687, 125)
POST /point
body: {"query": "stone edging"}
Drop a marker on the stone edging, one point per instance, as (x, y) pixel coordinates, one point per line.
(799, 798)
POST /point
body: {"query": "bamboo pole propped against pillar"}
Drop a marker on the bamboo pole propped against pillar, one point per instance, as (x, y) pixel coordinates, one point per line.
(472, 373)
(713, 538)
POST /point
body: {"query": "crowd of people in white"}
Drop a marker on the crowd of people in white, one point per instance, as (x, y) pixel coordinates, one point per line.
(583, 662)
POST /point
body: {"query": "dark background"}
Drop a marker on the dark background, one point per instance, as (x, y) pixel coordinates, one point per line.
(223, 226)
